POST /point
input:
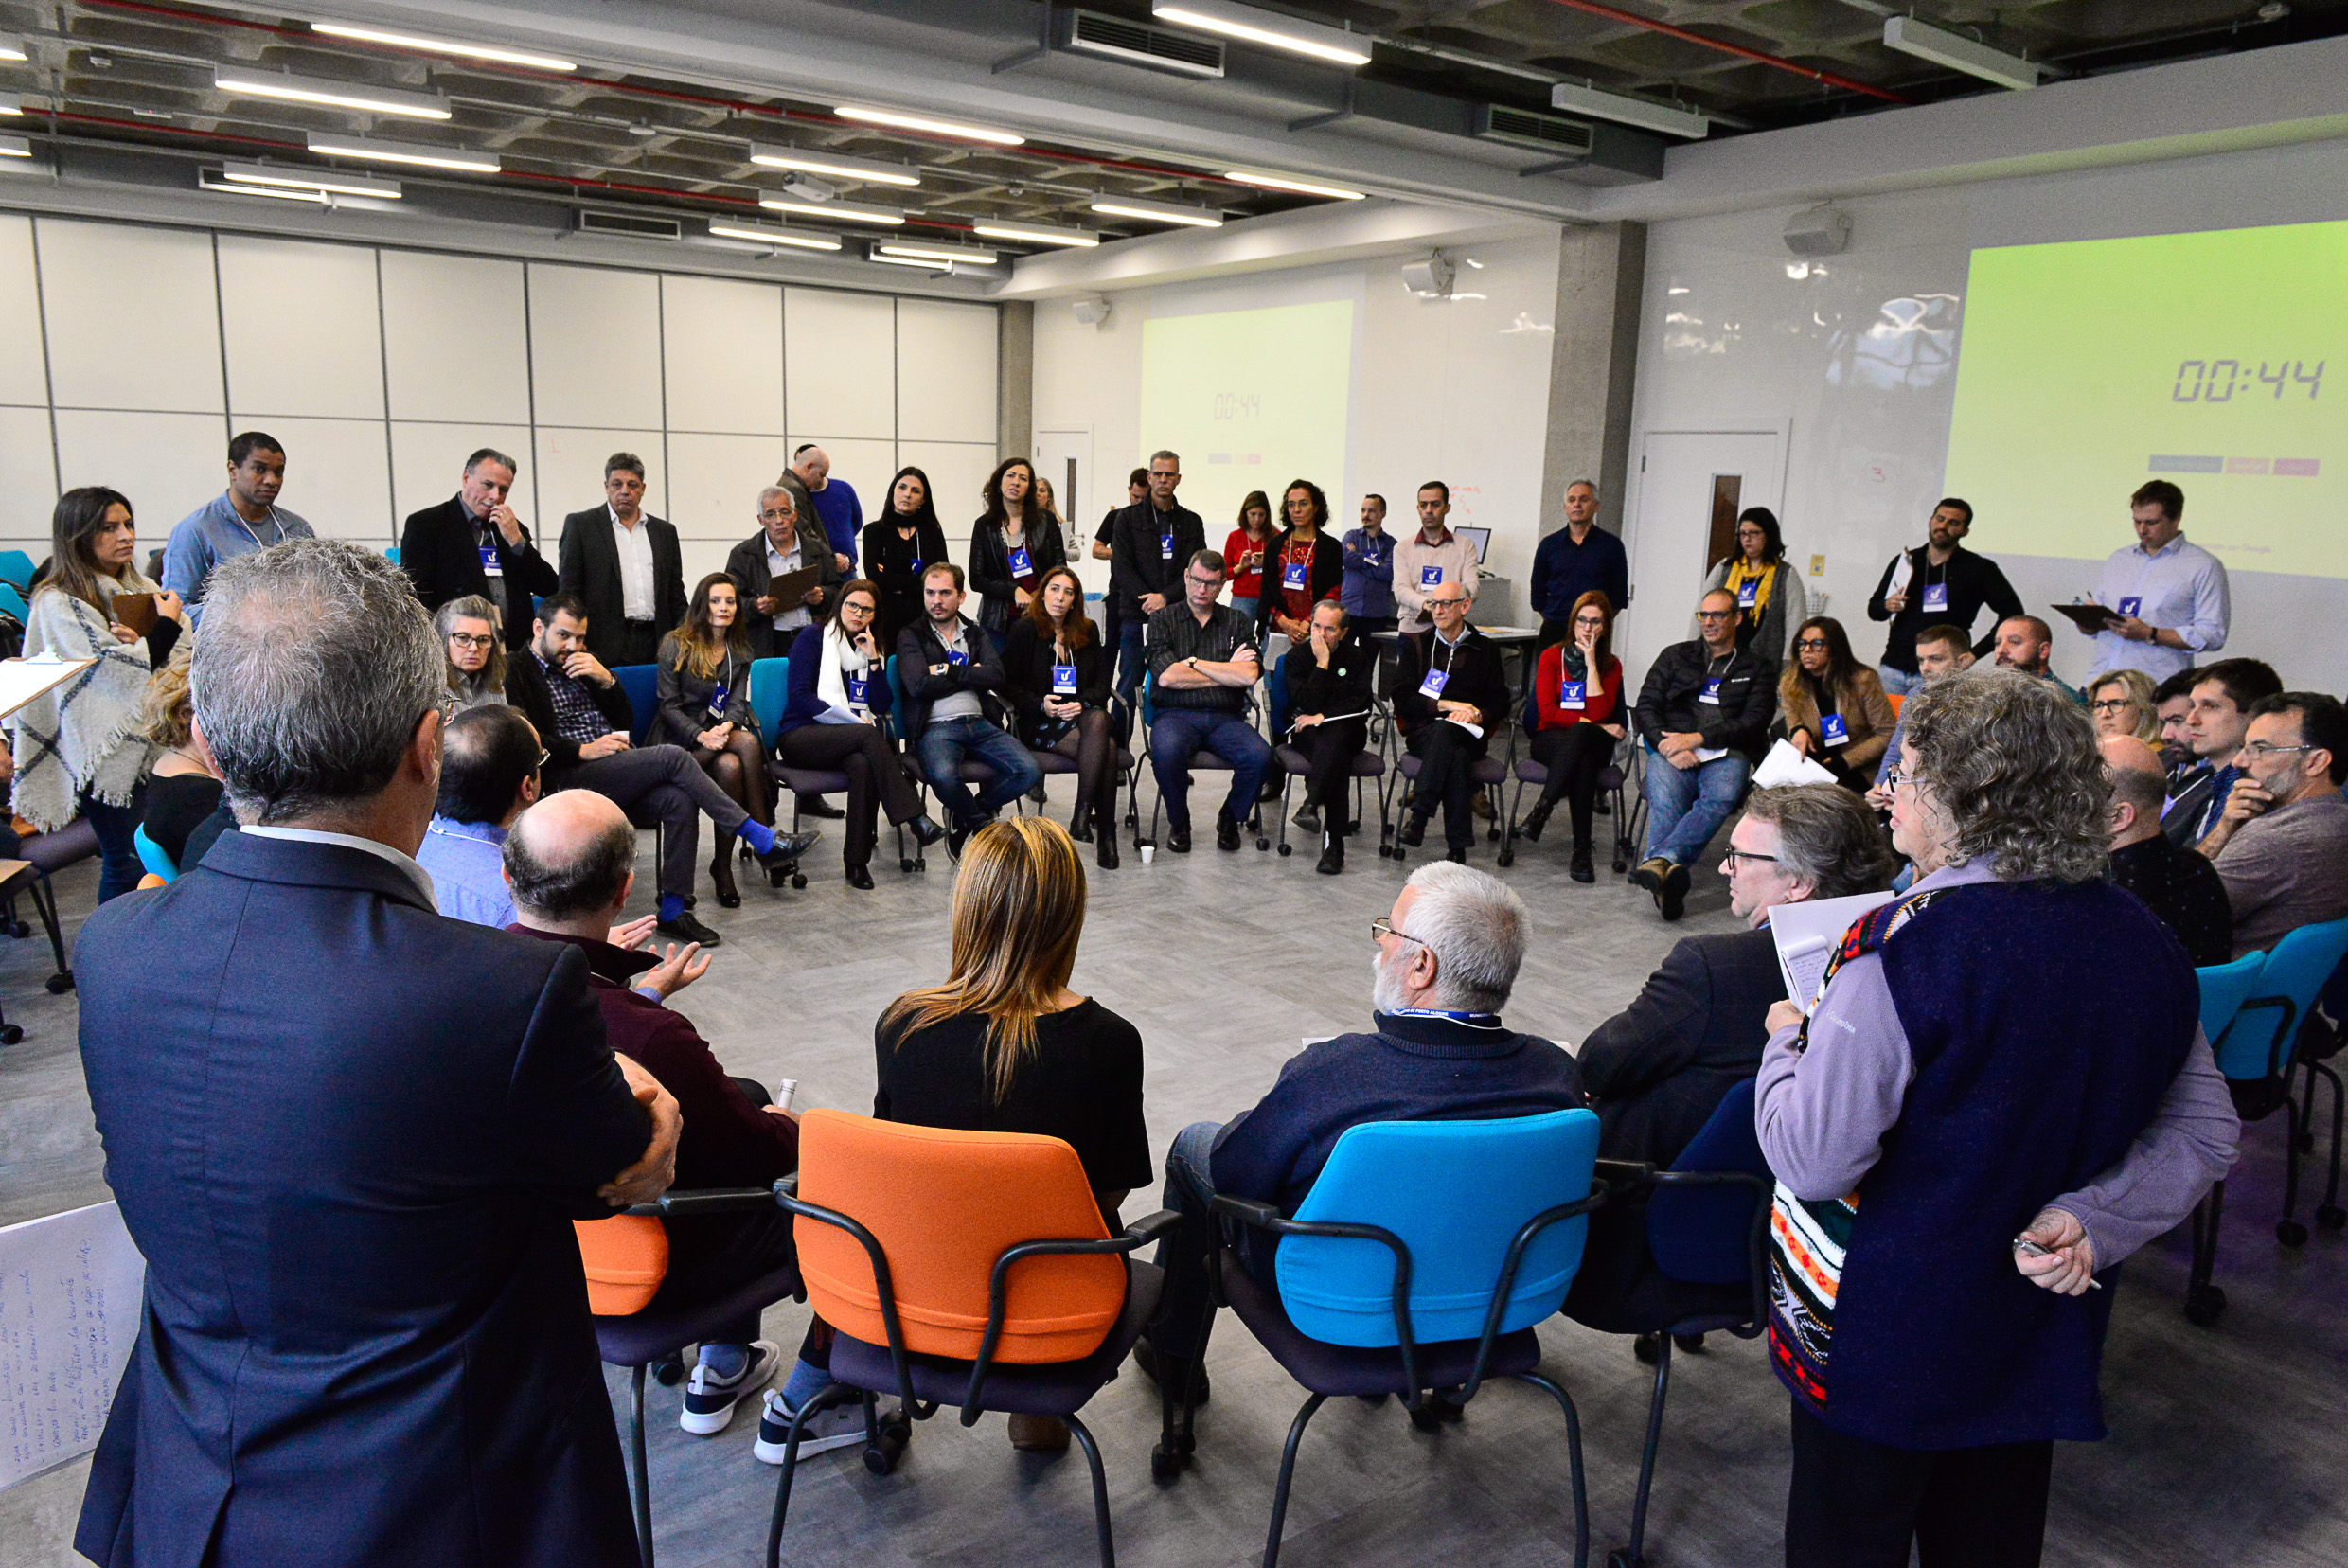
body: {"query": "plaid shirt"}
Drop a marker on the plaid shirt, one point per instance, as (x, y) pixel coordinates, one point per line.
(576, 717)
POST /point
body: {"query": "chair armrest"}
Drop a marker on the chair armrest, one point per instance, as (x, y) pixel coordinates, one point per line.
(1152, 1227)
(705, 1201)
(1617, 1174)
(1248, 1211)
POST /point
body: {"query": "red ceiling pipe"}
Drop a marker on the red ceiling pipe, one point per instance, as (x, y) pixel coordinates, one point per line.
(1828, 78)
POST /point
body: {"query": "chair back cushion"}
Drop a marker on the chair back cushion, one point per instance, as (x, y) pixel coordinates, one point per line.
(1456, 1192)
(1702, 1235)
(625, 1257)
(151, 855)
(770, 693)
(2296, 970)
(944, 1203)
(642, 684)
(2224, 989)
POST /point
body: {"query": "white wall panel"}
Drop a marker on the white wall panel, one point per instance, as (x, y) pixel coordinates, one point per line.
(455, 339)
(337, 475)
(595, 347)
(723, 341)
(946, 361)
(25, 451)
(303, 329)
(570, 472)
(428, 461)
(957, 471)
(716, 481)
(132, 316)
(839, 362)
(24, 372)
(167, 464)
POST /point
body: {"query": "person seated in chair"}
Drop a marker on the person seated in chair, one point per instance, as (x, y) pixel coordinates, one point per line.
(489, 762)
(2179, 886)
(1056, 673)
(1577, 717)
(1328, 685)
(1448, 955)
(1449, 702)
(1704, 718)
(1659, 1069)
(2281, 846)
(568, 862)
(952, 674)
(1203, 665)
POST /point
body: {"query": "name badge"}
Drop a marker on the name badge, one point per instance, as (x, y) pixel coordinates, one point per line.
(1166, 546)
(955, 656)
(2132, 606)
(1292, 577)
(1571, 696)
(1020, 567)
(1747, 593)
(488, 562)
(1711, 692)
(1372, 559)
(1430, 577)
(1833, 729)
(857, 687)
(717, 695)
(916, 566)
(1936, 598)
(1432, 685)
(1063, 680)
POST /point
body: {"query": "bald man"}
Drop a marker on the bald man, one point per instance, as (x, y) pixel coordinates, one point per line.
(2191, 904)
(570, 861)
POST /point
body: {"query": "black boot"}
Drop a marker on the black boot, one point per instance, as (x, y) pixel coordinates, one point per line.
(1414, 829)
(1534, 820)
(1332, 854)
(1580, 869)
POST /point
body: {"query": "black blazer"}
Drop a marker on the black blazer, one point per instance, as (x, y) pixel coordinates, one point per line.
(590, 571)
(1027, 677)
(1473, 674)
(370, 1271)
(889, 567)
(525, 688)
(439, 553)
(1137, 562)
(1343, 687)
(990, 567)
(685, 697)
(1323, 578)
(746, 564)
(917, 648)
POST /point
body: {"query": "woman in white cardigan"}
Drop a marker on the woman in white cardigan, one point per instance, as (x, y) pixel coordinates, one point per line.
(78, 748)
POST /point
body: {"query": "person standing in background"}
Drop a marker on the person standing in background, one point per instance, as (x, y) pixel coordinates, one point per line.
(1302, 567)
(625, 565)
(1011, 547)
(1426, 561)
(244, 518)
(1578, 558)
(834, 503)
(899, 545)
(1136, 491)
(473, 545)
(776, 551)
(1245, 550)
(1368, 591)
(1946, 584)
(1152, 540)
(1770, 600)
(2171, 594)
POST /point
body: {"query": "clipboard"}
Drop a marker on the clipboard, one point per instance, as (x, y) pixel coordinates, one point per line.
(22, 680)
(788, 592)
(2090, 619)
(135, 611)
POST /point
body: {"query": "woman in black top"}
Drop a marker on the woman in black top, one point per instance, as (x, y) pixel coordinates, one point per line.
(1327, 677)
(905, 538)
(703, 689)
(1056, 673)
(182, 789)
(1301, 567)
(1011, 547)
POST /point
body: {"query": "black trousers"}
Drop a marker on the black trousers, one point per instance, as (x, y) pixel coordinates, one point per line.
(1575, 757)
(1330, 750)
(639, 643)
(1857, 1504)
(1446, 759)
(666, 783)
(876, 779)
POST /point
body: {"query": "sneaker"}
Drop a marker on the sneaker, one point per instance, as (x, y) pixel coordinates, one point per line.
(842, 1426)
(709, 1401)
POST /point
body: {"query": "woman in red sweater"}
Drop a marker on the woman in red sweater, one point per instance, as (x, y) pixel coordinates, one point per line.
(1578, 695)
(1243, 552)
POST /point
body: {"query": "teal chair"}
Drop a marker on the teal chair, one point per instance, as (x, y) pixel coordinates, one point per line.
(13, 602)
(16, 569)
(770, 693)
(642, 684)
(2224, 989)
(151, 855)
(393, 555)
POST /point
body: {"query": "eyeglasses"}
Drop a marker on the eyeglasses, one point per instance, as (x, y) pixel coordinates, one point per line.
(2112, 705)
(1716, 615)
(468, 639)
(542, 761)
(1382, 927)
(1809, 643)
(776, 514)
(2258, 751)
(1899, 779)
(1729, 861)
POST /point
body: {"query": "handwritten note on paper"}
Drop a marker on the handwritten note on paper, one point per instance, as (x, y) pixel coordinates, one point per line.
(1807, 935)
(70, 1301)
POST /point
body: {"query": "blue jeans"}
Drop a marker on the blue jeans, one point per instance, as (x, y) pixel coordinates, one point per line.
(1686, 807)
(1130, 659)
(1898, 682)
(1188, 1249)
(946, 742)
(1245, 606)
(1181, 734)
(119, 867)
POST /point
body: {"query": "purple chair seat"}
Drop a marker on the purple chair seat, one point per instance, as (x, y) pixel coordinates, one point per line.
(1367, 764)
(1340, 1369)
(52, 852)
(665, 1326)
(1485, 770)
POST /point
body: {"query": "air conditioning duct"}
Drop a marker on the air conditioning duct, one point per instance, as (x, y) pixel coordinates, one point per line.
(1138, 43)
(629, 225)
(1551, 134)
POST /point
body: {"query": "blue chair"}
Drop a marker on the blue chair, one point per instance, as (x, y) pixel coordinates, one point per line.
(1205, 761)
(1419, 1262)
(642, 684)
(1370, 762)
(13, 602)
(16, 569)
(392, 554)
(770, 693)
(151, 855)
(2224, 989)
(818, 781)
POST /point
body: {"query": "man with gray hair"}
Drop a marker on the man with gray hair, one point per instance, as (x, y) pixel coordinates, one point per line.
(473, 544)
(350, 1138)
(776, 551)
(1444, 961)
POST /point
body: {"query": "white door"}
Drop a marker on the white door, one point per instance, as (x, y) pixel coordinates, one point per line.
(1065, 458)
(1680, 473)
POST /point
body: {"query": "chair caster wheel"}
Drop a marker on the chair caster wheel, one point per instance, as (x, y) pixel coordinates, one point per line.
(885, 1453)
(2202, 1308)
(2290, 1233)
(1621, 1558)
(921, 863)
(2331, 1215)
(19, 930)
(1492, 835)
(58, 984)
(798, 881)
(1425, 1421)
(904, 864)
(668, 1373)
(1262, 844)
(1164, 1466)
(1508, 856)
(1621, 866)
(11, 1033)
(1287, 850)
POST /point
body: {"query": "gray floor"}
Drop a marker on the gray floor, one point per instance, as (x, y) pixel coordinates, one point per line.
(2227, 1444)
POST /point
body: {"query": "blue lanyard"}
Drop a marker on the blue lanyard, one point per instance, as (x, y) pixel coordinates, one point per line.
(1473, 1020)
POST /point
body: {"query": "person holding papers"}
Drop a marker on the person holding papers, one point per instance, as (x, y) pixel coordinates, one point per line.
(1448, 702)
(1704, 718)
(1327, 677)
(2168, 598)
(1831, 709)
(1578, 695)
(1938, 583)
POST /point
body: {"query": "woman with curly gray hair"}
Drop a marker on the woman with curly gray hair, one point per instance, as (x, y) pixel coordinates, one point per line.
(2001, 1089)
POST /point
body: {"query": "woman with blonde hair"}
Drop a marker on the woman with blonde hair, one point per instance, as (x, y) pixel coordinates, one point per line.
(2121, 703)
(182, 789)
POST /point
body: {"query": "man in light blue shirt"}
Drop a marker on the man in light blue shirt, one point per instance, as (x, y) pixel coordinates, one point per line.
(2171, 596)
(244, 519)
(489, 765)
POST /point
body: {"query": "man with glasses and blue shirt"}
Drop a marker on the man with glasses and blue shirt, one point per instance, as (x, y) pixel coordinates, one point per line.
(240, 520)
(2171, 596)
(1704, 718)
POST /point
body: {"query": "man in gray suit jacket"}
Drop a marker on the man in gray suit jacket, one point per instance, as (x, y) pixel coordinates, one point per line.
(626, 566)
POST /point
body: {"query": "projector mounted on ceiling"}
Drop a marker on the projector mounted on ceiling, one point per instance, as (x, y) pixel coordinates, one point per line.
(1429, 279)
(1823, 230)
(1091, 312)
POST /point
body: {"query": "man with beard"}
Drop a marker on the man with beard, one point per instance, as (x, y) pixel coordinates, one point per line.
(1944, 584)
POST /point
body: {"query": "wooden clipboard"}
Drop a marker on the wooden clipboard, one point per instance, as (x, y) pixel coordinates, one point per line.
(22, 680)
(135, 611)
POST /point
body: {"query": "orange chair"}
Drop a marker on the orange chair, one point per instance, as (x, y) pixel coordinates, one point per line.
(961, 1267)
(1897, 699)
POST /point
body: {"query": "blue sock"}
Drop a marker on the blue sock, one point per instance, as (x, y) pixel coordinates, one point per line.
(758, 836)
(671, 905)
(726, 1361)
(804, 1383)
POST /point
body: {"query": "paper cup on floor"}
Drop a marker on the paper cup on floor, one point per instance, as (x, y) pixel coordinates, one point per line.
(1149, 850)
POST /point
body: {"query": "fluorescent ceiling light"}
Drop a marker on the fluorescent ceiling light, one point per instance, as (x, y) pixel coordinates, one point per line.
(1959, 53)
(921, 250)
(839, 164)
(759, 234)
(909, 261)
(936, 127)
(1037, 235)
(305, 179)
(1625, 109)
(1284, 182)
(342, 94)
(15, 147)
(11, 104)
(846, 213)
(441, 46)
(212, 180)
(417, 153)
(1158, 212)
(13, 48)
(1260, 26)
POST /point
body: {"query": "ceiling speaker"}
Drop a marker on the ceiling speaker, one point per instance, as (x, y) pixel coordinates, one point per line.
(1823, 230)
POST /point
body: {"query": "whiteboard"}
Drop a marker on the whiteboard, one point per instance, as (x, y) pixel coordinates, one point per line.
(70, 1301)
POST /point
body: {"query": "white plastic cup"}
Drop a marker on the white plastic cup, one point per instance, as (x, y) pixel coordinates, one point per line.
(1148, 852)
(785, 1092)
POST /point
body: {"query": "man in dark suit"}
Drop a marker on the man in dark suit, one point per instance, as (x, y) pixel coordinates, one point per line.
(350, 1137)
(1151, 543)
(473, 544)
(775, 549)
(625, 566)
(1657, 1070)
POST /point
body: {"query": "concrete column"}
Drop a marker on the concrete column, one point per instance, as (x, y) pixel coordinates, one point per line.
(1015, 379)
(1601, 271)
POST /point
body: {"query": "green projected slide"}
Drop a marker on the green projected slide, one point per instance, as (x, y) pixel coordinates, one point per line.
(2216, 360)
(1252, 400)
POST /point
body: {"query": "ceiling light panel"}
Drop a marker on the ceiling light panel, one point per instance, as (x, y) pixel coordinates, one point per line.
(1288, 182)
(1037, 233)
(935, 126)
(211, 179)
(845, 212)
(1625, 109)
(327, 180)
(13, 48)
(1268, 29)
(12, 104)
(921, 250)
(15, 147)
(416, 155)
(839, 165)
(1958, 52)
(1158, 212)
(442, 46)
(339, 94)
(759, 234)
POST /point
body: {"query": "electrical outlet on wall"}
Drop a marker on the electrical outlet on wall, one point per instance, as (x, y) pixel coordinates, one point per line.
(1817, 565)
